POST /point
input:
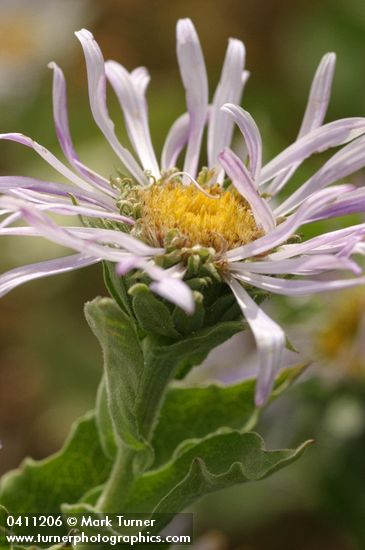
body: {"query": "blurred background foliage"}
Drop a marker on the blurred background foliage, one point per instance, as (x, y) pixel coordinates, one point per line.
(50, 363)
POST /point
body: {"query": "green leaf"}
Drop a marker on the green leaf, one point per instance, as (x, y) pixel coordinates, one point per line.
(117, 287)
(104, 422)
(41, 487)
(196, 348)
(187, 324)
(194, 412)
(123, 365)
(286, 378)
(153, 315)
(220, 307)
(218, 461)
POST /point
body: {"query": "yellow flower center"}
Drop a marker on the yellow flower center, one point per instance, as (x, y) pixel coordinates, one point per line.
(223, 222)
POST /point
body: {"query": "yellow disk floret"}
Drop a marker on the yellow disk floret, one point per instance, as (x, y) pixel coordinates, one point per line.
(223, 220)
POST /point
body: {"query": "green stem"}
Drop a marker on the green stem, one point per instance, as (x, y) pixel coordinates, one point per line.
(116, 490)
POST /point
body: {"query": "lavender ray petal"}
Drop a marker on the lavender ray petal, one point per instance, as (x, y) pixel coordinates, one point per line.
(319, 95)
(167, 283)
(20, 275)
(177, 292)
(82, 239)
(10, 218)
(77, 210)
(315, 112)
(332, 241)
(97, 97)
(251, 135)
(141, 78)
(50, 158)
(176, 140)
(294, 287)
(229, 90)
(297, 266)
(131, 96)
(241, 179)
(318, 140)
(347, 161)
(63, 131)
(194, 77)
(270, 341)
(286, 229)
(352, 203)
(8, 183)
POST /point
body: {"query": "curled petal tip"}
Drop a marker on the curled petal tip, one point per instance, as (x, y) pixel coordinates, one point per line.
(330, 56)
(84, 34)
(185, 30)
(237, 45)
(236, 41)
(226, 108)
(84, 31)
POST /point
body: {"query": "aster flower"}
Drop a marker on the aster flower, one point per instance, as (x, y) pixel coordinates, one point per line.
(186, 226)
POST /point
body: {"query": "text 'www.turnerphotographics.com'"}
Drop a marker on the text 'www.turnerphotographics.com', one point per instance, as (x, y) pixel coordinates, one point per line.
(112, 529)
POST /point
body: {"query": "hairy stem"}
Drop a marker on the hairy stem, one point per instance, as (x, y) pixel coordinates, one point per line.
(116, 490)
